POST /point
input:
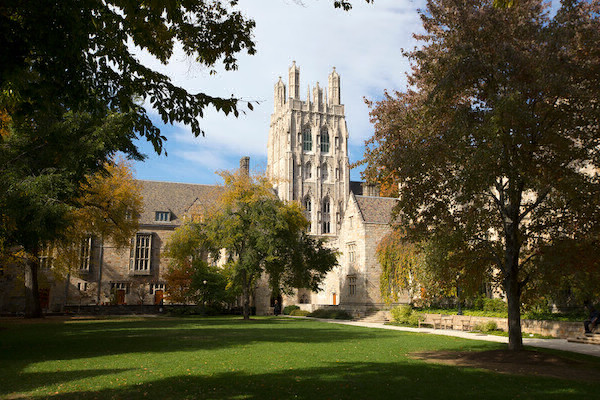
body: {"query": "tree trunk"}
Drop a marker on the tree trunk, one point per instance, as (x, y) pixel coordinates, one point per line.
(513, 295)
(512, 288)
(246, 296)
(33, 307)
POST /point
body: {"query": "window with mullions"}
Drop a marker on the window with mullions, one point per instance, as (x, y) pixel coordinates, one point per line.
(324, 141)
(351, 253)
(326, 216)
(46, 257)
(324, 172)
(308, 208)
(307, 171)
(352, 285)
(141, 253)
(162, 216)
(306, 139)
(84, 254)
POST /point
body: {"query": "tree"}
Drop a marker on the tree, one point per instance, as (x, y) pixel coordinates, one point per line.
(495, 144)
(108, 209)
(261, 234)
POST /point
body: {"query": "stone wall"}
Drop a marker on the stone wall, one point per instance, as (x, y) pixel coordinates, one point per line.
(558, 329)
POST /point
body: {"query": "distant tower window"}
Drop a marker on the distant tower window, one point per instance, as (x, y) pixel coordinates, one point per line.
(324, 172)
(162, 216)
(307, 171)
(326, 216)
(307, 204)
(324, 141)
(306, 139)
(308, 208)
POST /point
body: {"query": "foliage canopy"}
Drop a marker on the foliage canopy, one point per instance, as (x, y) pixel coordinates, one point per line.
(495, 144)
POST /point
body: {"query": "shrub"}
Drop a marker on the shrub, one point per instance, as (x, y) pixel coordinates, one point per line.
(405, 315)
(401, 314)
(287, 310)
(299, 313)
(413, 319)
(489, 326)
(495, 305)
(478, 303)
(330, 314)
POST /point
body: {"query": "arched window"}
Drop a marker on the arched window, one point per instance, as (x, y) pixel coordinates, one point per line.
(326, 216)
(307, 171)
(307, 204)
(306, 139)
(307, 213)
(324, 140)
(324, 172)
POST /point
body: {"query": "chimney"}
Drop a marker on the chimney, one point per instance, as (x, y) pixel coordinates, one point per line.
(245, 165)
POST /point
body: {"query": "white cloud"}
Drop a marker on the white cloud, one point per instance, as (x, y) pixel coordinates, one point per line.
(363, 44)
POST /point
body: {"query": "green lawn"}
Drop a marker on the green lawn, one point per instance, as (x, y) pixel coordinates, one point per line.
(227, 358)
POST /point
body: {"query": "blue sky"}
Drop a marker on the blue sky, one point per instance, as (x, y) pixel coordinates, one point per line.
(364, 45)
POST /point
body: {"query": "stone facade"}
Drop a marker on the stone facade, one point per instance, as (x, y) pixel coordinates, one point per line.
(308, 161)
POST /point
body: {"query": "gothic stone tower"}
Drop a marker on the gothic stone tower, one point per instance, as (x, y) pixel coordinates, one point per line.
(308, 151)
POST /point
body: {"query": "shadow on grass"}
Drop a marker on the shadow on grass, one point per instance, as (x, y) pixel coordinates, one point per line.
(360, 380)
(35, 343)
(27, 381)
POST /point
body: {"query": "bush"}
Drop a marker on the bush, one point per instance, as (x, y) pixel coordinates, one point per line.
(287, 310)
(401, 314)
(330, 314)
(495, 305)
(413, 319)
(299, 313)
(489, 326)
(405, 315)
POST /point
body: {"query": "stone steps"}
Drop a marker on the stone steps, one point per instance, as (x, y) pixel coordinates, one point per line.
(587, 339)
(378, 316)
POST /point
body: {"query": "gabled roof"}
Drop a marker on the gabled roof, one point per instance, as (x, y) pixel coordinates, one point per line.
(177, 198)
(376, 210)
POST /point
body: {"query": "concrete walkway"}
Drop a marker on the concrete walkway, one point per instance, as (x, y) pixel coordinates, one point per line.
(556, 344)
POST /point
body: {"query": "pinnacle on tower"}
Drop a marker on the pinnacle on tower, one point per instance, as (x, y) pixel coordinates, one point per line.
(334, 88)
(279, 94)
(294, 81)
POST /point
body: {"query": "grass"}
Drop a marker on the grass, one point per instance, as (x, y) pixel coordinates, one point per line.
(227, 358)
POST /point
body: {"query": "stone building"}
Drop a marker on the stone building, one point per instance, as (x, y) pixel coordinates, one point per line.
(307, 161)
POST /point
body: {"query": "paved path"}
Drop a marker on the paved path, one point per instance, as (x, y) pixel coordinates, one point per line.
(556, 344)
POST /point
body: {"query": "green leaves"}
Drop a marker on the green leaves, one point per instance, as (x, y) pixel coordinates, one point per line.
(495, 145)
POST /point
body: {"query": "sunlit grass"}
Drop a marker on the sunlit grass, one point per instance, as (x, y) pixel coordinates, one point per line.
(227, 358)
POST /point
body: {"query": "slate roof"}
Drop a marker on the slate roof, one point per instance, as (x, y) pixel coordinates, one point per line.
(376, 210)
(176, 198)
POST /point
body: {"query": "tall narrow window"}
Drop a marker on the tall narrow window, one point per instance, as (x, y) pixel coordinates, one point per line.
(324, 141)
(306, 139)
(308, 208)
(326, 216)
(84, 254)
(324, 172)
(307, 204)
(46, 257)
(351, 253)
(352, 285)
(307, 171)
(141, 253)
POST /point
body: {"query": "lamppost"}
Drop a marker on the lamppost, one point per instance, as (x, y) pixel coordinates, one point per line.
(458, 294)
(204, 297)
